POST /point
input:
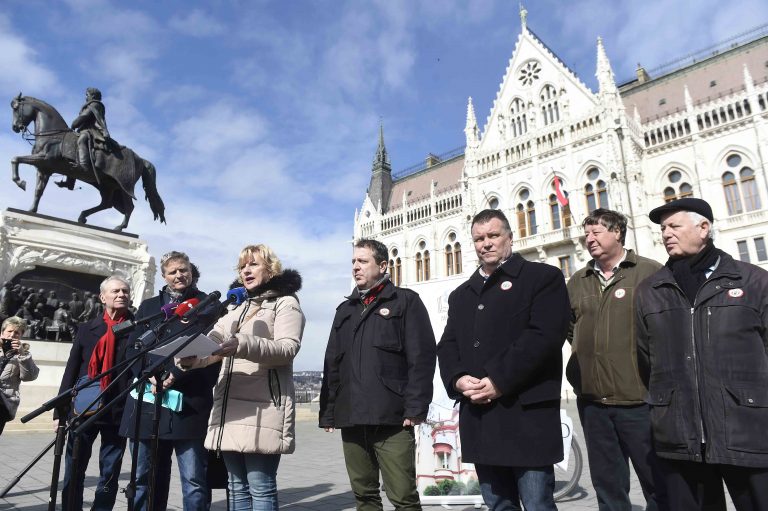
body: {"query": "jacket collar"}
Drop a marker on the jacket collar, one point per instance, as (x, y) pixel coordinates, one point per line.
(386, 293)
(726, 268)
(629, 260)
(511, 268)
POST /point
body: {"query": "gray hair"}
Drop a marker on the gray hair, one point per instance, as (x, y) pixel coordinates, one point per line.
(173, 256)
(103, 285)
(697, 219)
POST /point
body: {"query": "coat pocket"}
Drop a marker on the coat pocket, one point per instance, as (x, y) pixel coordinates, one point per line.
(387, 334)
(667, 418)
(746, 418)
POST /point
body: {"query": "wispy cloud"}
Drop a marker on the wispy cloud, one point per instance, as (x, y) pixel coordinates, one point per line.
(197, 23)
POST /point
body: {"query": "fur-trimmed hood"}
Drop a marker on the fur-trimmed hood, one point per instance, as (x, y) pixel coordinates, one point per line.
(286, 283)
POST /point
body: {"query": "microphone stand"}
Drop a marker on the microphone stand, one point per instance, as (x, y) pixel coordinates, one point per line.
(61, 403)
(155, 370)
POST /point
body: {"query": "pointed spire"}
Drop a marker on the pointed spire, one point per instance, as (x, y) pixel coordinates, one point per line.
(604, 72)
(381, 152)
(523, 17)
(688, 99)
(470, 130)
(749, 83)
(380, 186)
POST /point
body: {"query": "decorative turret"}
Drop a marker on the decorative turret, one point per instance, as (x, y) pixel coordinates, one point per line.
(687, 98)
(523, 17)
(471, 130)
(604, 72)
(749, 83)
(381, 176)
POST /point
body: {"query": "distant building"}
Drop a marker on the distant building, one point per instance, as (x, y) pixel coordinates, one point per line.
(699, 130)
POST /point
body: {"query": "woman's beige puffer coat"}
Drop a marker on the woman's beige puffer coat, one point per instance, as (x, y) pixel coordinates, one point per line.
(253, 408)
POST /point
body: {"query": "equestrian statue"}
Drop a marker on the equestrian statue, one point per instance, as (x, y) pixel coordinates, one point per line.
(85, 152)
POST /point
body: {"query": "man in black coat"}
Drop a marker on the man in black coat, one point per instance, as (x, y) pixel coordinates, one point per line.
(182, 431)
(377, 381)
(96, 347)
(501, 356)
(702, 344)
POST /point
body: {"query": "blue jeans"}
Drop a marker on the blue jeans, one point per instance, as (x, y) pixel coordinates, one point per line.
(252, 481)
(192, 458)
(110, 461)
(504, 487)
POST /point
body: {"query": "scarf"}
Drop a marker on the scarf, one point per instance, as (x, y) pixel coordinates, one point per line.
(691, 272)
(367, 296)
(103, 356)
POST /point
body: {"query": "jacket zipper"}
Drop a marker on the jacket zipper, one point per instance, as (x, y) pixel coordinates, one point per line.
(696, 370)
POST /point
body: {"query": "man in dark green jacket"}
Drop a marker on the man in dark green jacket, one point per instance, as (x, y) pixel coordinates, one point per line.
(603, 370)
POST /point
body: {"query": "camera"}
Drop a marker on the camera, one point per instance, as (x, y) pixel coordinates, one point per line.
(7, 346)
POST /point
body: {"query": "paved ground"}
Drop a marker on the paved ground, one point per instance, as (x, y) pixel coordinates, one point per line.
(314, 478)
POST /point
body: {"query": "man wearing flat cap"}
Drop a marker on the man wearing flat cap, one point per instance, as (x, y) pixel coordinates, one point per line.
(702, 352)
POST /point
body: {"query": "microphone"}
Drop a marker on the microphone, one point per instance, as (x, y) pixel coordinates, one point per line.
(168, 309)
(211, 298)
(240, 294)
(173, 311)
(202, 304)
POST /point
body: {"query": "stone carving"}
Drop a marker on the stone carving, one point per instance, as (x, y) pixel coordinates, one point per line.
(90, 156)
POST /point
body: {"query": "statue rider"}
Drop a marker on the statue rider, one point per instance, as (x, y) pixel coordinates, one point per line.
(91, 125)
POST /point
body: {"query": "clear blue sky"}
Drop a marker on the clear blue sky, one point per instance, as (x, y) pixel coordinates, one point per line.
(262, 117)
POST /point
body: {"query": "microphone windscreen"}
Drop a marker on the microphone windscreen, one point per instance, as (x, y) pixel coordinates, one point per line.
(168, 309)
(186, 306)
(237, 295)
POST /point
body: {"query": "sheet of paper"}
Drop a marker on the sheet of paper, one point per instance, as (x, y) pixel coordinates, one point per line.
(201, 346)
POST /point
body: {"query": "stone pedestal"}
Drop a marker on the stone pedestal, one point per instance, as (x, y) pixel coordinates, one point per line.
(30, 242)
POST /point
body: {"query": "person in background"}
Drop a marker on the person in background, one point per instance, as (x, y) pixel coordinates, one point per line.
(602, 369)
(252, 421)
(181, 431)
(16, 366)
(95, 350)
(377, 381)
(702, 352)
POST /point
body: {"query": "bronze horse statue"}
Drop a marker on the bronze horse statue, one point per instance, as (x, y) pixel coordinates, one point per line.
(55, 152)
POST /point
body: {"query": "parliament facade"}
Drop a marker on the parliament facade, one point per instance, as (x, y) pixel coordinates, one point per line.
(551, 150)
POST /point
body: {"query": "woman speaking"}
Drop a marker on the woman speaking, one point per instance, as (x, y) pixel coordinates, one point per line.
(252, 420)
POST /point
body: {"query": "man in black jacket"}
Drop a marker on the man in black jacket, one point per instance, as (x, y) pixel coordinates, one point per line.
(377, 381)
(184, 430)
(95, 350)
(501, 357)
(702, 324)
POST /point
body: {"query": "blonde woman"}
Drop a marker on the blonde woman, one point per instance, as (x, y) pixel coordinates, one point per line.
(252, 421)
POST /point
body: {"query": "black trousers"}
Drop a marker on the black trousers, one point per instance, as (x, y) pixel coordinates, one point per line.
(696, 486)
(614, 435)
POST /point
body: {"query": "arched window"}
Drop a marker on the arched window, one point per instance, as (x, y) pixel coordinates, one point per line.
(422, 262)
(749, 189)
(518, 118)
(395, 268)
(732, 198)
(550, 111)
(560, 215)
(493, 203)
(741, 194)
(596, 191)
(452, 256)
(677, 188)
(526, 214)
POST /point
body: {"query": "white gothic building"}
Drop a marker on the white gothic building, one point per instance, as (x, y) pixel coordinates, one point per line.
(699, 130)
